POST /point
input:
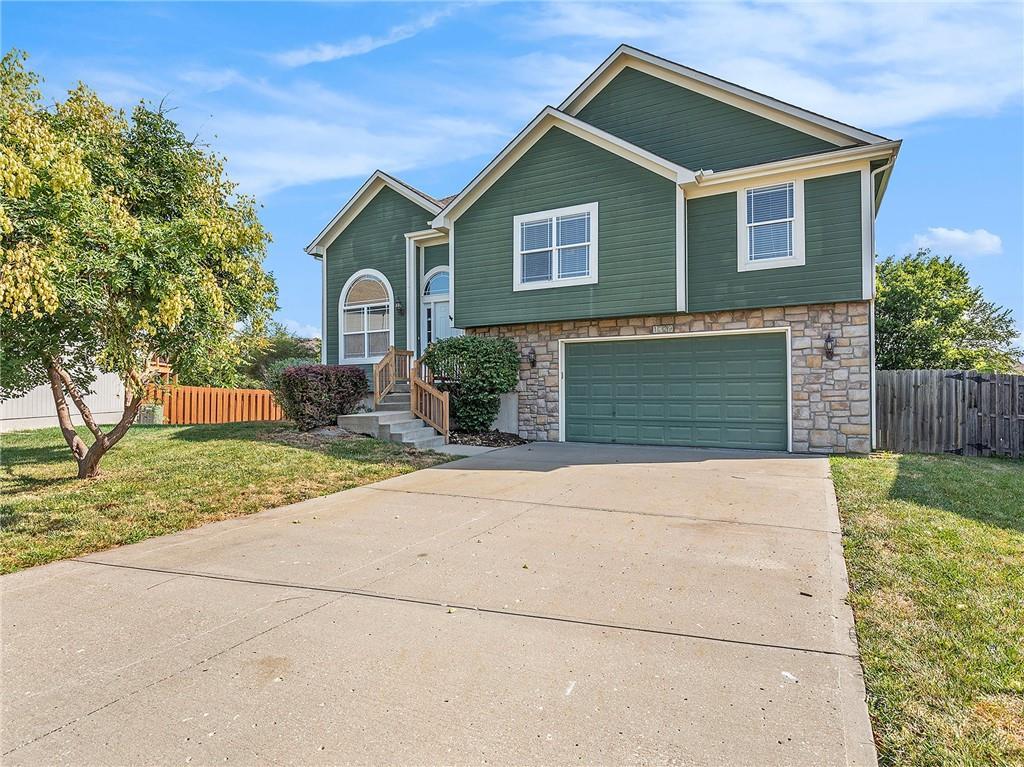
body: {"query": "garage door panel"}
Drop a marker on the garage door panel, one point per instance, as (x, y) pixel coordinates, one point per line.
(725, 391)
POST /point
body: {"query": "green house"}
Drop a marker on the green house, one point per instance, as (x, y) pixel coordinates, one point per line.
(680, 260)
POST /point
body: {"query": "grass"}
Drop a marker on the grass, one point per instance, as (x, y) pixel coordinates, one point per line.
(161, 479)
(935, 551)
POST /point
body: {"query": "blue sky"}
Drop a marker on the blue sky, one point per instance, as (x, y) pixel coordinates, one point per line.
(306, 100)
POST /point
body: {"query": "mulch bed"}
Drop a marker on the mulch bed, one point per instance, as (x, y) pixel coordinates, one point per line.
(486, 439)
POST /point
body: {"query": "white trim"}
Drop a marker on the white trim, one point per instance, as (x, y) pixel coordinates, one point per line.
(819, 164)
(867, 235)
(428, 275)
(451, 272)
(342, 360)
(806, 174)
(680, 249)
(799, 255)
(323, 310)
(550, 118)
(555, 282)
(872, 376)
(411, 249)
(377, 181)
(743, 331)
(751, 101)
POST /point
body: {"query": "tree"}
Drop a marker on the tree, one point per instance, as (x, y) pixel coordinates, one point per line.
(275, 345)
(121, 242)
(928, 315)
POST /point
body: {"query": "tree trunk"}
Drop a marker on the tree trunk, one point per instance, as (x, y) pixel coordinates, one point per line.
(88, 459)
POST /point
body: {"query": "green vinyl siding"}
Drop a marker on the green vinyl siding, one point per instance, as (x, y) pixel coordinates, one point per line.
(434, 256)
(834, 258)
(636, 237)
(375, 239)
(706, 391)
(688, 128)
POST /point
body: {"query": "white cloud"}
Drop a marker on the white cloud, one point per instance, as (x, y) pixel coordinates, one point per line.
(272, 150)
(357, 46)
(877, 65)
(957, 242)
(301, 329)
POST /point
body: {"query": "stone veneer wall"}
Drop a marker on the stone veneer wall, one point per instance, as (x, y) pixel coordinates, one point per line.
(831, 398)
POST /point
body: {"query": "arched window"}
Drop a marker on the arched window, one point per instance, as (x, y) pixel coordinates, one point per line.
(366, 317)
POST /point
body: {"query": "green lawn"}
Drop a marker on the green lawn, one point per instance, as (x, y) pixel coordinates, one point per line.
(160, 479)
(935, 551)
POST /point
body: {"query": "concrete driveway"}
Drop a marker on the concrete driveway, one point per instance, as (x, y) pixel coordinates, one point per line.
(542, 604)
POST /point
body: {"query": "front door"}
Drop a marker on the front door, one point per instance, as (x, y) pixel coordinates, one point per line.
(435, 309)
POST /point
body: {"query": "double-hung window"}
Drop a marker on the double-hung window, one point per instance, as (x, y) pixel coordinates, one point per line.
(770, 227)
(555, 248)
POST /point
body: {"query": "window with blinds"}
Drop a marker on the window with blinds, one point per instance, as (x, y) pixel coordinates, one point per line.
(556, 247)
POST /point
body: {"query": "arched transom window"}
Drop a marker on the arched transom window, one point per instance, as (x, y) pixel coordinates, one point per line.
(366, 317)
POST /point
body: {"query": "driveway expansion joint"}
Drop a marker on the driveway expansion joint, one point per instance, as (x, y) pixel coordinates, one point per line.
(607, 510)
(427, 602)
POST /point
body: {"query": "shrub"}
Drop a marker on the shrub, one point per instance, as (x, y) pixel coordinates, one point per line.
(314, 395)
(476, 370)
(272, 372)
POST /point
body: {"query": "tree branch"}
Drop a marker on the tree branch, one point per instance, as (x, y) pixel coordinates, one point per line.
(79, 401)
(78, 448)
(131, 409)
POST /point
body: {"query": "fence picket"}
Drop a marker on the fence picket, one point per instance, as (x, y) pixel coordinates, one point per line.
(187, 405)
(950, 411)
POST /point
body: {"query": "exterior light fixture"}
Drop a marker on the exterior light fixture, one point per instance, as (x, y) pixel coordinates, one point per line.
(531, 357)
(830, 347)
(400, 308)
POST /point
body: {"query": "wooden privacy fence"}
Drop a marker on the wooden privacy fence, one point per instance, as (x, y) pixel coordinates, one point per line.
(205, 404)
(950, 411)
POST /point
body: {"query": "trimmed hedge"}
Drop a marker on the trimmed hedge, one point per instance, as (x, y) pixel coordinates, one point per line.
(272, 372)
(315, 395)
(476, 370)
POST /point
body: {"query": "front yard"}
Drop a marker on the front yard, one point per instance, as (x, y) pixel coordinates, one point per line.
(161, 479)
(935, 551)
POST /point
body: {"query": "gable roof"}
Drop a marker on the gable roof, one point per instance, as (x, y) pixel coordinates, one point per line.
(378, 180)
(549, 118)
(826, 128)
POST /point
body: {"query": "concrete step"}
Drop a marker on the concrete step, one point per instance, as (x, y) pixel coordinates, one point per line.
(396, 429)
(393, 405)
(427, 443)
(371, 423)
(394, 424)
(413, 435)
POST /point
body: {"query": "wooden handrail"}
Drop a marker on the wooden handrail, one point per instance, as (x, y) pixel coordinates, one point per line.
(393, 367)
(428, 403)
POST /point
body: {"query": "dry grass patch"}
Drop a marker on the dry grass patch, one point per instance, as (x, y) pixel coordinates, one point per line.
(161, 479)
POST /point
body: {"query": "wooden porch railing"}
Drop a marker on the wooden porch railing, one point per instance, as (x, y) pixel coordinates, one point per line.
(428, 402)
(392, 368)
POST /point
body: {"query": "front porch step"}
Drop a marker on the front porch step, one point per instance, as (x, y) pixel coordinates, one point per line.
(394, 401)
(399, 426)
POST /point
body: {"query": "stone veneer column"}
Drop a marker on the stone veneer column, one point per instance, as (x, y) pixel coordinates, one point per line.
(831, 398)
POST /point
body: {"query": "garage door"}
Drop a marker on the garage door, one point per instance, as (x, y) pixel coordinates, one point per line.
(706, 391)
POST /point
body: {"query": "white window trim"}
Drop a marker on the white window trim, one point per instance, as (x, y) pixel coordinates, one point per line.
(555, 281)
(342, 359)
(743, 262)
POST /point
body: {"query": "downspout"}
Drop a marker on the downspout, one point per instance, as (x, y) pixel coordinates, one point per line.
(871, 308)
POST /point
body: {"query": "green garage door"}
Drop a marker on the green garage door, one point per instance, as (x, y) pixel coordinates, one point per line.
(706, 391)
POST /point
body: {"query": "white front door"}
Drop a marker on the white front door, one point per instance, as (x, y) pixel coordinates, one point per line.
(435, 308)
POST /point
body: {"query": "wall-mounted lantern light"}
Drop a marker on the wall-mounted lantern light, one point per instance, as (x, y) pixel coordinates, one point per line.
(531, 357)
(830, 347)
(400, 308)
